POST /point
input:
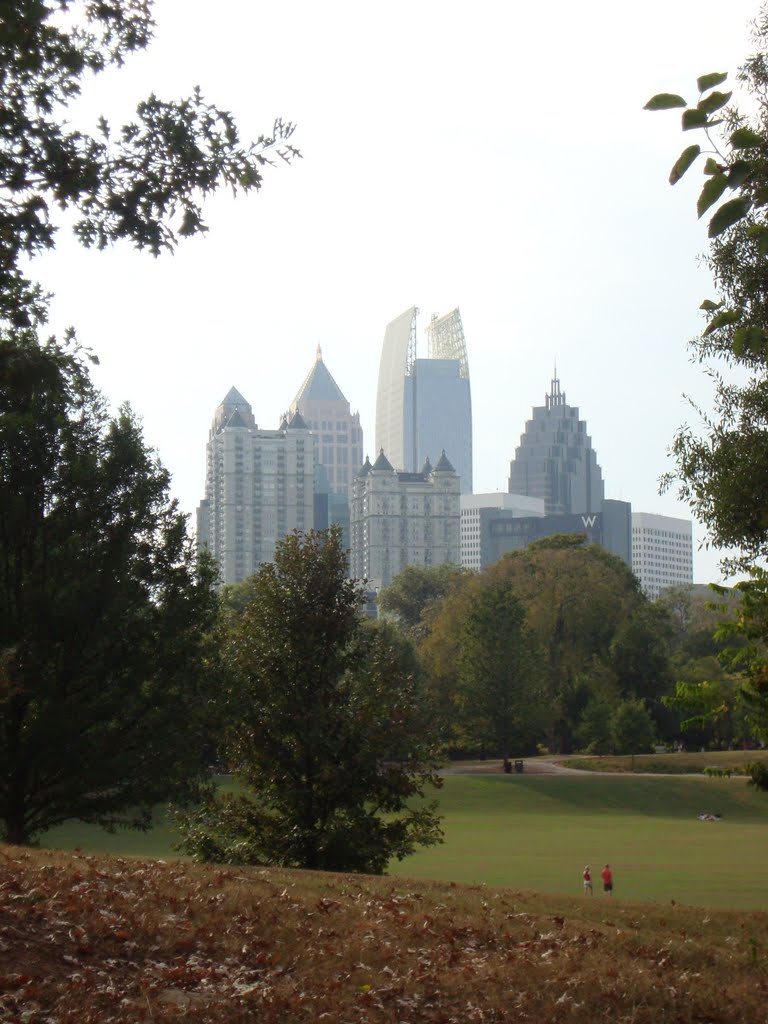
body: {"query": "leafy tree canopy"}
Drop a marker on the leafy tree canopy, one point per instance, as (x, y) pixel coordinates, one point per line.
(721, 472)
(143, 181)
(105, 674)
(329, 731)
(416, 588)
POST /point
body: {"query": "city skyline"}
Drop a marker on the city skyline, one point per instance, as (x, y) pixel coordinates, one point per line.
(559, 237)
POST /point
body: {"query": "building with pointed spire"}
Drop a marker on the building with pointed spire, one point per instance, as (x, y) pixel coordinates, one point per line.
(424, 405)
(339, 437)
(259, 486)
(403, 518)
(555, 460)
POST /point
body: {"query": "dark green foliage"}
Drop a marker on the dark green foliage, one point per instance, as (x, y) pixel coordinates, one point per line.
(498, 671)
(758, 774)
(329, 730)
(415, 589)
(594, 731)
(104, 700)
(721, 474)
(143, 181)
(631, 728)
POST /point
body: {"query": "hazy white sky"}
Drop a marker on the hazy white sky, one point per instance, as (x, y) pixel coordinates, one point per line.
(491, 156)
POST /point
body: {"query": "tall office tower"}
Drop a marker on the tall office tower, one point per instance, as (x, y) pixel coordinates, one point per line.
(338, 435)
(424, 406)
(662, 552)
(259, 485)
(555, 459)
(401, 519)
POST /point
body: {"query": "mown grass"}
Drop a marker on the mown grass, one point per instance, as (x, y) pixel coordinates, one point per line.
(538, 832)
(684, 763)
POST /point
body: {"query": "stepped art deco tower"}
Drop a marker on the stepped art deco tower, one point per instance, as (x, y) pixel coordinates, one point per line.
(555, 459)
(424, 406)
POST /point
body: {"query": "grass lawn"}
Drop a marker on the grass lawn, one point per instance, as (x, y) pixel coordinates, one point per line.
(683, 763)
(538, 832)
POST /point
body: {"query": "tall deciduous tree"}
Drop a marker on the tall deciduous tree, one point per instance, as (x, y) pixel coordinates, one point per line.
(142, 181)
(576, 597)
(721, 471)
(414, 590)
(329, 731)
(105, 700)
(498, 673)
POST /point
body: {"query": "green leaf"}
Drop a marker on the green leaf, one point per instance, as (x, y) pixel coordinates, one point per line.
(746, 138)
(713, 102)
(738, 173)
(710, 306)
(693, 118)
(664, 101)
(712, 166)
(748, 339)
(759, 233)
(728, 214)
(682, 163)
(709, 81)
(721, 319)
(713, 189)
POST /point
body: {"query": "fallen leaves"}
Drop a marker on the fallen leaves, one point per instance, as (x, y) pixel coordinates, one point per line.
(100, 941)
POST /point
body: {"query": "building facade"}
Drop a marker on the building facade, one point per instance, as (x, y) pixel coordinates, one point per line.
(555, 460)
(502, 530)
(474, 553)
(403, 518)
(338, 434)
(662, 552)
(424, 406)
(259, 486)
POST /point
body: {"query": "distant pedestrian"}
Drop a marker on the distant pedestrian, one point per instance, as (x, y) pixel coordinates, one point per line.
(607, 876)
(587, 876)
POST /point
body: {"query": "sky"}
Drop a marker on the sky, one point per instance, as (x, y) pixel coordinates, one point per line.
(491, 156)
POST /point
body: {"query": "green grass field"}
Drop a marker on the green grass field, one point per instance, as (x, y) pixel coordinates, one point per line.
(538, 832)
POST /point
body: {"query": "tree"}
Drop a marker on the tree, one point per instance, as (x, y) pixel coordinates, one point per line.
(417, 588)
(497, 670)
(576, 597)
(143, 181)
(632, 730)
(594, 731)
(105, 696)
(722, 472)
(329, 734)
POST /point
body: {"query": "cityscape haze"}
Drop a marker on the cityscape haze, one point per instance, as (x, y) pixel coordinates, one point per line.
(454, 180)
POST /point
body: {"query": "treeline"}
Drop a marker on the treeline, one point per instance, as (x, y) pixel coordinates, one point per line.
(556, 647)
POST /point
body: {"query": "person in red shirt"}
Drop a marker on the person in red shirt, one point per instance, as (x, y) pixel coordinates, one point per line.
(607, 876)
(587, 876)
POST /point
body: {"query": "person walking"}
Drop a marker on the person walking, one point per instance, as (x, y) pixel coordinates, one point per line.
(587, 876)
(607, 876)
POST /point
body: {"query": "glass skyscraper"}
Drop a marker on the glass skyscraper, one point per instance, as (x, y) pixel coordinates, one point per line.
(424, 406)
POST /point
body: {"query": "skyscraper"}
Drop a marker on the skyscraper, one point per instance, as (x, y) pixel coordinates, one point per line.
(555, 459)
(338, 435)
(259, 485)
(424, 406)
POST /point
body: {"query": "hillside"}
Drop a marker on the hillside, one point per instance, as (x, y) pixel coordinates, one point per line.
(88, 939)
